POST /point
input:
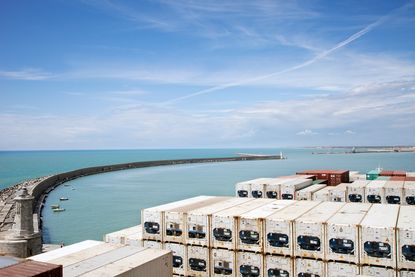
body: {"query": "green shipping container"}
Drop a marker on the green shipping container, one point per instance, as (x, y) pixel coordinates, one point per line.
(372, 175)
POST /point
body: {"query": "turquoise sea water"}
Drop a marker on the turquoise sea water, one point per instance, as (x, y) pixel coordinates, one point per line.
(103, 203)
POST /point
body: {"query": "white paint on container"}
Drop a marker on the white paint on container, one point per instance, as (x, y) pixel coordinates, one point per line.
(243, 189)
(310, 230)
(307, 192)
(152, 244)
(249, 264)
(375, 192)
(342, 269)
(405, 233)
(198, 223)
(153, 218)
(309, 267)
(289, 188)
(394, 192)
(376, 271)
(250, 225)
(377, 243)
(323, 194)
(175, 219)
(119, 237)
(278, 229)
(198, 261)
(407, 273)
(278, 266)
(179, 252)
(224, 227)
(222, 263)
(343, 238)
(273, 188)
(409, 193)
(356, 191)
(338, 193)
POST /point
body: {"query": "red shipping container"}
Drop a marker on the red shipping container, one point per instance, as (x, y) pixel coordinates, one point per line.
(30, 268)
(410, 178)
(386, 173)
(399, 173)
(398, 178)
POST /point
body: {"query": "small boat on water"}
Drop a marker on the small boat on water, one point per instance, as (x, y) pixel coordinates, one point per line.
(73, 188)
(58, 210)
(66, 185)
(63, 198)
(55, 206)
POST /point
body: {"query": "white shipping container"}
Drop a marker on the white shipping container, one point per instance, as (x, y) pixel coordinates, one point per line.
(243, 189)
(406, 237)
(197, 261)
(153, 218)
(273, 187)
(222, 262)
(323, 194)
(249, 264)
(342, 269)
(152, 244)
(119, 237)
(224, 227)
(407, 273)
(199, 221)
(175, 219)
(179, 252)
(278, 266)
(356, 191)
(342, 242)
(377, 243)
(308, 267)
(289, 187)
(309, 231)
(377, 271)
(338, 193)
(307, 192)
(375, 192)
(409, 193)
(278, 228)
(134, 239)
(356, 175)
(258, 188)
(394, 192)
(250, 225)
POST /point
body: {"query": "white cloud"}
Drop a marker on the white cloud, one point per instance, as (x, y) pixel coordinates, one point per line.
(306, 132)
(349, 132)
(30, 74)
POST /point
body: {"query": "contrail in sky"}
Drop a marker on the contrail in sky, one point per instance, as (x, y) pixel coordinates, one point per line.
(318, 57)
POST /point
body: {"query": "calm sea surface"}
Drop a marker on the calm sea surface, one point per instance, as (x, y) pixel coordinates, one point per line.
(107, 202)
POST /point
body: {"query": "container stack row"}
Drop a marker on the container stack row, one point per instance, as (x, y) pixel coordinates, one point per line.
(222, 236)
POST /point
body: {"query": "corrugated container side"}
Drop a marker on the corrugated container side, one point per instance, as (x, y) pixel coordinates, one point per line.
(378, 241)
(342, 269)
(307, 193)
(399, 173)
(179, 253)
(394, 192)
(198, 223)
(309, 267)
(406, 273)
(249, 264)
(323, 194)
(375, 192)
(224, 227)
(309, 231)
(30, 268)
(338, 193)
(258, 188)
(278, 266)
(222, 262)
(406, 238)
(343, 238)
(377, 271)
(356, 191)
(289, 188)
(409, 193)
(152, 219)
(175, 219)
(250, 225)
(278, 228)
(198, 261)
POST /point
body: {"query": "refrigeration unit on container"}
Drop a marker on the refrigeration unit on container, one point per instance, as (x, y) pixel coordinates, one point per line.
(409, 193)
(309, 267)
(278, 266)
(243, 189)
(152, 244)
(278, 228)
(222, 262)
(199, 221)
(249, 264)
(307, 192)
(289, 188)
(175, 219)
(342, 243)
(309, 230)
(394, 192)
(224, 226)
(377, 271)
(338, 193)
(323, 194)
(197, 261)
(258, 188)
(153, 218)
(342, 269)
(356, 191)
(273, 187)
(377, 236)
(179, 252)
(405, 235)
(250, 225)
(375, 192)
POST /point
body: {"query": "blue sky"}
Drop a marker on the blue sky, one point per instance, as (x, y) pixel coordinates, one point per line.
(191, 73)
